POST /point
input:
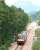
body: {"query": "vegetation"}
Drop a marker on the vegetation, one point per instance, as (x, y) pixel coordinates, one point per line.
(12, 21)
(36, 45)
(38, 17)
(30, 19)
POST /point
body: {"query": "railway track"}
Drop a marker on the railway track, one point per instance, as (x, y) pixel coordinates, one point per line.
(20, 44)
(19, 47)
(28, 45)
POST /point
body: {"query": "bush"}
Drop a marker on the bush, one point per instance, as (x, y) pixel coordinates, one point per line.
(36, 45)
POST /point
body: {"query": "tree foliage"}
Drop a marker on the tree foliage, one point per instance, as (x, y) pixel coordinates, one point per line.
(38, 17)
(12, 20)
(30, 19)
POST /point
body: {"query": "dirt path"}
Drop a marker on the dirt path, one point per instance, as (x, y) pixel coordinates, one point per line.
(28, 45)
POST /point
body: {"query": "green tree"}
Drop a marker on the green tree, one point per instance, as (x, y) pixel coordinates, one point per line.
(12, 20)
(38, 17)
(30, 19)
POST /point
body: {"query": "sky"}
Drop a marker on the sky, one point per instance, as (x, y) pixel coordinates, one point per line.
(27, 5)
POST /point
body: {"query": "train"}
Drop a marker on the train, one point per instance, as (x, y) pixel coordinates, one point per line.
(21, 38)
